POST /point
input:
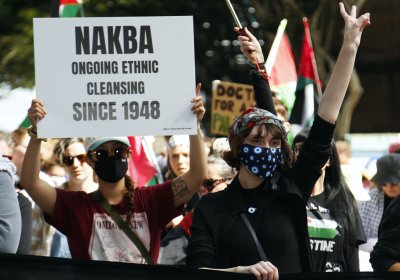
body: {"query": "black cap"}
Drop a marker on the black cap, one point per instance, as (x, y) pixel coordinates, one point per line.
(387, 170)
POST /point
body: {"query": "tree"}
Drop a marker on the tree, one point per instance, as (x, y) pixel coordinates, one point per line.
(216, 50)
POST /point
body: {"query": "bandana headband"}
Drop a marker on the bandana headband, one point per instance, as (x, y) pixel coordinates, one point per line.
(254, 116)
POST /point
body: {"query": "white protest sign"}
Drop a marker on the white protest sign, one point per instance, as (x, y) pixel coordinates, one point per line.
(115, 76)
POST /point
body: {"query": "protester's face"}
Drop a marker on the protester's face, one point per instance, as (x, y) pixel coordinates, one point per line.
(259, 136)
(78, 169)
(214, 174)
(391, 190)
(179, 159)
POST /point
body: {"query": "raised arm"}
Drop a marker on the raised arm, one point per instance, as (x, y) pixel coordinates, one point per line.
(335, 91)
(184, 186)
(251, 49)
(42, 193)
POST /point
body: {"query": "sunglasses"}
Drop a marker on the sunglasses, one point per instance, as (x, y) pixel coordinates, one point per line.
(210, 184)
(69, 160)
(103, 154)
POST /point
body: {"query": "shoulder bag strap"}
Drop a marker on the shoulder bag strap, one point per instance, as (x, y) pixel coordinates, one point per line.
(253, 234)
(123, 226)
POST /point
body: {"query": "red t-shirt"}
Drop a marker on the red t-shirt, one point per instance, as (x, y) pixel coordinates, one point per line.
(93, 234)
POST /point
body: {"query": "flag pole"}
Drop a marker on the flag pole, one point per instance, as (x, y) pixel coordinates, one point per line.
(235, 17)
(275, 46)
(314, 64)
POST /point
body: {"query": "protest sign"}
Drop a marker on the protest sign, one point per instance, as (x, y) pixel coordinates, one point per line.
(115, 76)
(229, 100)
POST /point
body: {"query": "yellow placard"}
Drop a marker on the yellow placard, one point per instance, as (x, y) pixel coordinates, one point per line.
(229, 100)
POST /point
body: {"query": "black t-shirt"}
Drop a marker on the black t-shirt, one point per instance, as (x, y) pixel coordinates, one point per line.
(274, 225)
(327, 238)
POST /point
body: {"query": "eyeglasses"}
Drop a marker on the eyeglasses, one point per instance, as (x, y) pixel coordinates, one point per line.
(103, 154)
(210, 184)
(69, 160)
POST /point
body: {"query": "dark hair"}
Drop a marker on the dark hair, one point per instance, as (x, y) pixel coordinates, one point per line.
(339, 198)
(232, 157)
(128, 197)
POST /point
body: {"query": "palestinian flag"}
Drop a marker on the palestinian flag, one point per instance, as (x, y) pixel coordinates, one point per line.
(67, 8)
(302, 114)
(324, 229)
(281, 67)
(142, 165)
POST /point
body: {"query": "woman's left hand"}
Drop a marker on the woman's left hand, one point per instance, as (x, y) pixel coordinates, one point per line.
(353, 26)
(198, 106)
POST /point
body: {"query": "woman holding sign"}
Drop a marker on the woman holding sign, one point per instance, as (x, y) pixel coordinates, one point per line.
(258, 224)
(118, 222)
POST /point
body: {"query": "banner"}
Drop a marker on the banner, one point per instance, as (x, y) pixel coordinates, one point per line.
(115, 76)
(22, 267)
(229, 100)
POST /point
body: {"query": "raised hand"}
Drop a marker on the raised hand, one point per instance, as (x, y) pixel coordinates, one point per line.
(250, 46)
(36, 112)
(353, 26)
(198, 106)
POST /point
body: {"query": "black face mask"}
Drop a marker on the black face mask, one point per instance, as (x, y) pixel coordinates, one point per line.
(111, 169)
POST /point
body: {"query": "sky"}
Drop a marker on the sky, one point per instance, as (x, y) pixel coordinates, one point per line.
(13, 107)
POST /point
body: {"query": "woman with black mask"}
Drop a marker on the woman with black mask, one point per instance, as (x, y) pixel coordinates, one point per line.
(91, 221)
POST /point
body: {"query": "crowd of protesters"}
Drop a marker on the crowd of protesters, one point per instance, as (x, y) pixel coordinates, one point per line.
(252, 203)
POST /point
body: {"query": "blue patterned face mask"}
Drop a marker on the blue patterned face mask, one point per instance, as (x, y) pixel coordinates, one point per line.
(260, 161)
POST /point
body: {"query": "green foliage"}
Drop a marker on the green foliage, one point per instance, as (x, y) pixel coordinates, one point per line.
(16, 40)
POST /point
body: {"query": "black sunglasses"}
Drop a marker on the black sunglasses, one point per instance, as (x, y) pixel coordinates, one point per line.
(210, 184)
(103, 154)
(69, 160)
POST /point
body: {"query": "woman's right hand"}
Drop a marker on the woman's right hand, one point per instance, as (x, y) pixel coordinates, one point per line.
(261, 270)
(36, 112)
(250, 46)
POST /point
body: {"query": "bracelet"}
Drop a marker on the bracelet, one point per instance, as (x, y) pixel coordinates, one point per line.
(33, 134)
(262, 74)
(260, 65)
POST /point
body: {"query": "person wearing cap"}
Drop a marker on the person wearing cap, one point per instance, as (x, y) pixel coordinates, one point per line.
(178, 150)
(386, 254)
(394, 147)
(91, 232)
(387, 187)
(258, 224)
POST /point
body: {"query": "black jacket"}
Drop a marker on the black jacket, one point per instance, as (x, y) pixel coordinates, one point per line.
(387, 250)
(216, 216)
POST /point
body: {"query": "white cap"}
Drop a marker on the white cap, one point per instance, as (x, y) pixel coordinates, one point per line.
(178, 140)
(92, 143)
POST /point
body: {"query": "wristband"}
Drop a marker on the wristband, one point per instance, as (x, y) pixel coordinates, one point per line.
(33, 134)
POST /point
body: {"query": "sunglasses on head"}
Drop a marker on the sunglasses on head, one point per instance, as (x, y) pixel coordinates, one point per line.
(69, 160)
(210, 184)
(103, 154)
